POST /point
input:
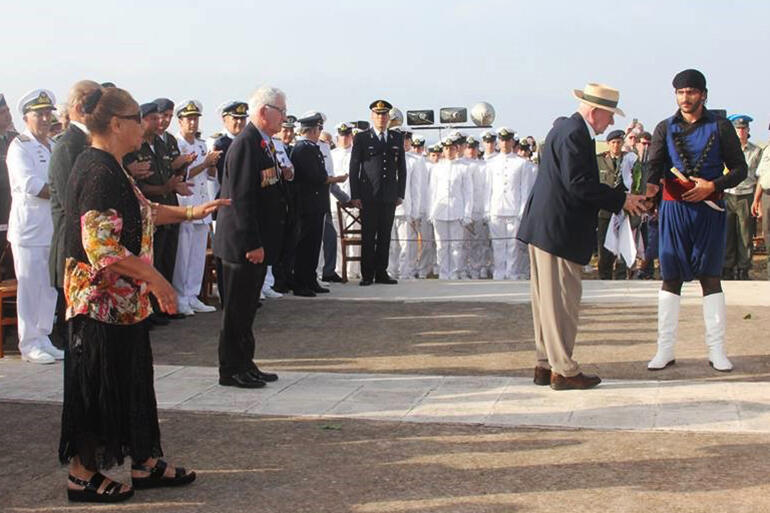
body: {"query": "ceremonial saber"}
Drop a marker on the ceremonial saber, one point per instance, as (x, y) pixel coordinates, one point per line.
(684, 178)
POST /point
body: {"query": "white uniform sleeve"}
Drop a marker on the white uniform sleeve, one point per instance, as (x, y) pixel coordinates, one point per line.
(21, 170)
(468, 194)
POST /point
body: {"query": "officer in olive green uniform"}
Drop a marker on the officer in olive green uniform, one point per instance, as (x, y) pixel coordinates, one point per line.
(738, 199)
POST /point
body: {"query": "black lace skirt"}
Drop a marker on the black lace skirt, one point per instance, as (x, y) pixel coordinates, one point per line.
(109, 407)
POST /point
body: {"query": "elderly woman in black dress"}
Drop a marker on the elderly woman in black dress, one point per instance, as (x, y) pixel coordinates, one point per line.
(109, 407)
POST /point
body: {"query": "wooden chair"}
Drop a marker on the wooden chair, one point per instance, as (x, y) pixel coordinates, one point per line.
(350, 235)
(8, 287)
(209, 271)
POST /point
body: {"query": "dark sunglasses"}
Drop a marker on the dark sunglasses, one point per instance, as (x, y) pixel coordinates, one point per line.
(136, 117)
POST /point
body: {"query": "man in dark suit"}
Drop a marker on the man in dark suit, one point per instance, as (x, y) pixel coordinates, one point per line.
(283, 269)
(312, 181)
(249, 235)
(7, 134)
(69, 145)
(377, 185)
(559, 224)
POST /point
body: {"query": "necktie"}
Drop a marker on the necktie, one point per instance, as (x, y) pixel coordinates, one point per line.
(382, 137)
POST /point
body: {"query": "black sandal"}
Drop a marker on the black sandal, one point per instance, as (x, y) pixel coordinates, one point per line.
(156, 477)
(90, 491)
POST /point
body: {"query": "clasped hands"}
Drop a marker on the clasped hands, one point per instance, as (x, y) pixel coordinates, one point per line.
(638, 204)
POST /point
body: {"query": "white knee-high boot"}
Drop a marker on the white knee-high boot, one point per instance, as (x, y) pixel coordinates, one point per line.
(668, 319)
(714, 319)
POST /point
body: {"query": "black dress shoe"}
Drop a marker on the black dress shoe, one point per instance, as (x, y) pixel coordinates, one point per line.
(318, 289)
(159, 320)
(365, 282)
(242, 380)
(385, 279)
(332, 278)
(267, 377)
(283, 289)
(304, 292)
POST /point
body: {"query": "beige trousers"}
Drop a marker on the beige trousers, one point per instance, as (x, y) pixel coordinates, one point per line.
(556, 292)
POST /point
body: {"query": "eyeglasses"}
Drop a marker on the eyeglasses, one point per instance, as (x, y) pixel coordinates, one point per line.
(136, 117)
(282, 111)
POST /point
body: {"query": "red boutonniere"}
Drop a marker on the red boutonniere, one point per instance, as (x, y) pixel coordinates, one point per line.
(263, 144)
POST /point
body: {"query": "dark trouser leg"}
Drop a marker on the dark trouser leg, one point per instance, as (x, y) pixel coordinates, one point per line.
(744, 231)
(606, 258)
(309, 249)
(370, 214)
(731, 242)
(283, 270)
(384, 231)
(242, 283)
(159, 247)
(220, 281)
(330, 246)
(766, 225)
(60, 328)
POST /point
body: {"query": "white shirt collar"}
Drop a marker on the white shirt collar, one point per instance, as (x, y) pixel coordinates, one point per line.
(81, 126)
(591, 131)
(377, 133)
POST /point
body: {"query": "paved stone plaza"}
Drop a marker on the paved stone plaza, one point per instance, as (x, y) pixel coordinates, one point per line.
(419, 397)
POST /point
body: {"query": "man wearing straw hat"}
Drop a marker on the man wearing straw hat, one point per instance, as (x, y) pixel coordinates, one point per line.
(559, 224)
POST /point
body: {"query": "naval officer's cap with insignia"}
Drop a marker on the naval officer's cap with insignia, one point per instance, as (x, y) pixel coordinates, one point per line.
(234, 108)
(740, 120)
(488, 136)
(289, 122)
(435, 148)
(616, 134)
(448, 141)
(311, 119)
(344, 128)
(505, 133)
(189, 108)
(164, 104)
(418, 141)
(380, 107)
(36, 100)
(472, 142)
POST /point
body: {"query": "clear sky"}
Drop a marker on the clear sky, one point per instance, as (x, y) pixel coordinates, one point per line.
(337, 56)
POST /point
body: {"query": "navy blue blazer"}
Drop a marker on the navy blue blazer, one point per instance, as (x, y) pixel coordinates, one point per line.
(257, 215)
(561, 212)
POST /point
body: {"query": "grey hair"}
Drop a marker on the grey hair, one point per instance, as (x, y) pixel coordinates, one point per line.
(79, 91)
(265, 95)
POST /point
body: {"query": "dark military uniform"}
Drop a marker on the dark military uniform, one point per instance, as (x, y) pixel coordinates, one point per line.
(6, 265)
(310, 178)
(378, 179)
(166, 236)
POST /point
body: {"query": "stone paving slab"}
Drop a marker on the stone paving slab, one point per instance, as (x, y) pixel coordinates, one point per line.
(730, 407)
(748, 293)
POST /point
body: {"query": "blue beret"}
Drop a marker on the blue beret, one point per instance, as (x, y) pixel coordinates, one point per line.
(616, 134)
(740, 120)
(163, 104)
(148, 108)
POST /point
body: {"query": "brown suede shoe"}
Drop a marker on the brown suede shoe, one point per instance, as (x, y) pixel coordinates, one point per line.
(542, 376)
(579, 382)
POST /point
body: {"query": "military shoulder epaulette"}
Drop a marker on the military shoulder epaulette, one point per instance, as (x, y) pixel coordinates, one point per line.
(23, 138)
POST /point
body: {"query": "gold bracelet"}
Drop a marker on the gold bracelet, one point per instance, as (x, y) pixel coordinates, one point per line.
(189, 213)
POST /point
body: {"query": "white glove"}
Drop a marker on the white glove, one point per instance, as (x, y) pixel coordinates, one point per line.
(467, 221)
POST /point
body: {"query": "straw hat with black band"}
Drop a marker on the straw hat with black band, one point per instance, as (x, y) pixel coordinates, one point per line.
(600, 96)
